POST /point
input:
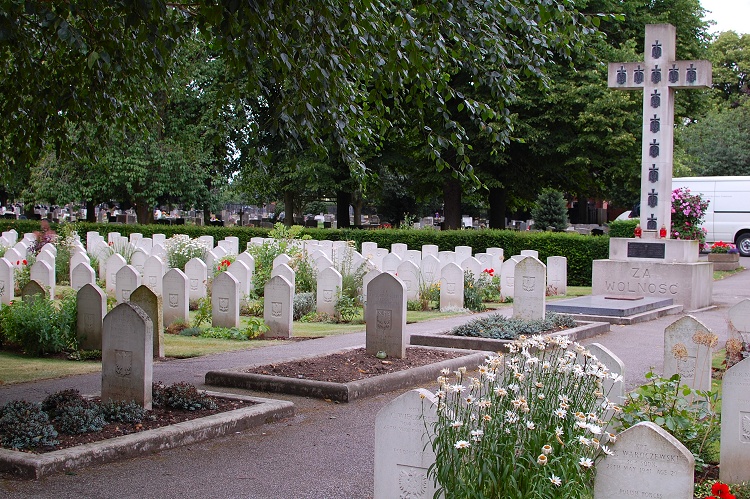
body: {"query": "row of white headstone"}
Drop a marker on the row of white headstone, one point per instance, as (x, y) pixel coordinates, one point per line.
(647, 461)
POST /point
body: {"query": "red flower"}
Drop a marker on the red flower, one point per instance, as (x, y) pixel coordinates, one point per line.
(721, 491)
(490, 272)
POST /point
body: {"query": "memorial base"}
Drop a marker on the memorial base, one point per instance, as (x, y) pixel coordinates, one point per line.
(688, 284)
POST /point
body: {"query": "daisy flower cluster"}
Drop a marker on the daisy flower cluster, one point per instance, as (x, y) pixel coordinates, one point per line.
(531, 423)
(181, 249)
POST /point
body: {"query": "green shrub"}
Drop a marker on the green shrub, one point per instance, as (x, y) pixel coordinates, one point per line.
(122, 412)
(181, 396)
(191, 331)
(204, 312)
(55, 403)
(304, 303)
(24, 425)
(39, 327)
(499, 327)
(347, 307)
(76, 419)
(550, 210)
(472, 293)
(284, 242)
(622, 228)
(689, 415)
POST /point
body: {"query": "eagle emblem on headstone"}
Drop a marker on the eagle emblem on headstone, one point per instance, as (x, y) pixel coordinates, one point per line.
(194, 284)
(223, 305)
(173, 300)
(384, 319)
(276, 309)
(327, 295)
(123, 362)
(450, 288)
(745, 426)
(88, 323)
(528, 282)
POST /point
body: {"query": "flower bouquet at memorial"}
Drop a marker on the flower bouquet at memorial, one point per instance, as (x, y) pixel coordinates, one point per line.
(688, 211)
(530, 424)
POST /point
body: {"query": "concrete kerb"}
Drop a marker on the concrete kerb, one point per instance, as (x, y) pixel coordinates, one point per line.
(341, 392)
(445, 340)
(31, 466)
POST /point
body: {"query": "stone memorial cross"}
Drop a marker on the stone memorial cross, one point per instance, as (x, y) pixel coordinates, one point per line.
(658, 77)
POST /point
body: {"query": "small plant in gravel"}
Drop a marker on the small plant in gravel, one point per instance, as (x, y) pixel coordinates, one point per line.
(24, 425)
(122, 412)
(499, 327)
(181, 396)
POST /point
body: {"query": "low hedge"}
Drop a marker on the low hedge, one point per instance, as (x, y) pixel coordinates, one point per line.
(622, 228)
(580, 250)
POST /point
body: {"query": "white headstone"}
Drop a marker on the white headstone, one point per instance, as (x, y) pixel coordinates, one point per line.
(81, 275)
(286, 272)
(7, 281)
(127, 280)
(244, 277)
(138, 260)
(463, 252)
(430, 270)
(557, 275)
(739, 318)
(408, 272)
(135, 237)
(414, 256)
(451, 287)
(399, 249)
(214, 257)
(197, 274)
(175, 296)
(529, 294)
(369, 276)
(321, 262)
(328, 289)
(474, 266)
(91, 303)
(14, 257)
(403, 452)
(225, 301)
(114, 264)
(46, 256)
(161, 239)
(385, 317)
(735, 424)
(127, 363)
(533, 253)
(278, 307)
(688, 347)
(282, 258)
(613, 388)
(447, 257)
(507, 277)
(646, 461)
(234, 244)
(153, 272)
(44, 273)
(391, 261)
(160, 251)
(77, 258)
(429, 249)
(369, 248)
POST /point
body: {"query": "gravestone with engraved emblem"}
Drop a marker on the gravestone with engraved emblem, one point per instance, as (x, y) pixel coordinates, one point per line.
(91, 304)
(735, 424)
(278, 307)
(385, 316)
(530, 280)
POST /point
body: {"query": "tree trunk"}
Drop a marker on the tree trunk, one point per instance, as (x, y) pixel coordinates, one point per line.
(583, 209)
(357, 202)
(288, 208)
(498, 203)
(144, 212)
(90, 211)
(343, 200)
(452, 203)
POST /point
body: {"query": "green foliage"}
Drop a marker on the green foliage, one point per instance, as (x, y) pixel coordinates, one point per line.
(529, 424)
(689, 415)
(80, 418)
(191, 331)
(472, 293)
(498, 327)
(347, 307)
(255, 327)
(24, 425)
(181, 396)
(622, 228)
(55, 403)
(285, 241)
(688, 211)
(550, 210)
(204, 312)
(22, 272)
(39, 326)
(181, 249)
(117, 411)
(304, 303)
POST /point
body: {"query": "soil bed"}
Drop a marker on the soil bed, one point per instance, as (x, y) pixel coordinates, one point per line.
(353, 365)
(156, 418)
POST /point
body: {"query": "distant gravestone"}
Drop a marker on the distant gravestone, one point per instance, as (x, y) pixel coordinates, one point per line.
(430, 270)
(735, 424)
(175, 296)
(282, 258)
(7, 281)
(408, 272)
(46, 256)
(234, 244)
(688, 347)
(391, 261)
(329, 286)
(153, 273)
(126, 280)
(322, 262)
(114, 264)
(463, 252)
(225, 301)
(44, 273)
(138, 260)
(403, 452)
(287, 273)
(76, 259)
(739, 318)
(14, 256)
(386, 316)
(529, 293)
(369, 248)
(365, 282)
(447, 257)
(214, 257)
(197, 274)
(32, 290)
(508, 277)
(486, 260)
(430, 249)
(160, 251)
(646, 461)
(81, 275)
(557, 275)
(414, 256)
(127, 363)
(399, 249)
(278, 307)
(242, 273)
(533, 253)
(451, 287)
(91, 303)
(474, 266)
(151, 303)
(248, 260)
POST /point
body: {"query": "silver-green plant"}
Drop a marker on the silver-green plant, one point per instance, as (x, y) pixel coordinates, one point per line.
(181, 249)
(529, 425)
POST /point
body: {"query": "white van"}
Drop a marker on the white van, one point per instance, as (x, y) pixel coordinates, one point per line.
(728, 216)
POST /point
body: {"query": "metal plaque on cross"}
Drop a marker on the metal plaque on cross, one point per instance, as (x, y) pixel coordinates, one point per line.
(658, 76)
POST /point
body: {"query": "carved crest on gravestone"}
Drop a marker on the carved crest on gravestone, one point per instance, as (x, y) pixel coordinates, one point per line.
(2, 288)
(123, 362)
(450, 288)
(152, 281)
(193, 284)
(407, 282)
(653, 149)
(384, 319)
(744, 426)
(656, 74)
(656, 50)
(276, 309)
(223, 305)
(327, 295)
(653, 174)
(653, 198)
(655, 124)
(655, 99)
(686, 367)
(691, 74)
(638, 75)
(674, 74)
(88, 323)
(126, 294)
(412, 482)
(651, 222)
(173, 299)
(528, 283)
(622, 75)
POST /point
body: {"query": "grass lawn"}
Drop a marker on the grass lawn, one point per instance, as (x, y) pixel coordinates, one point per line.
(16, 368)
(721, 274)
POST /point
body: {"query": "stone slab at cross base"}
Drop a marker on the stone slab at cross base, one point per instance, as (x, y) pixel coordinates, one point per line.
(688, 284)
(650, 249)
